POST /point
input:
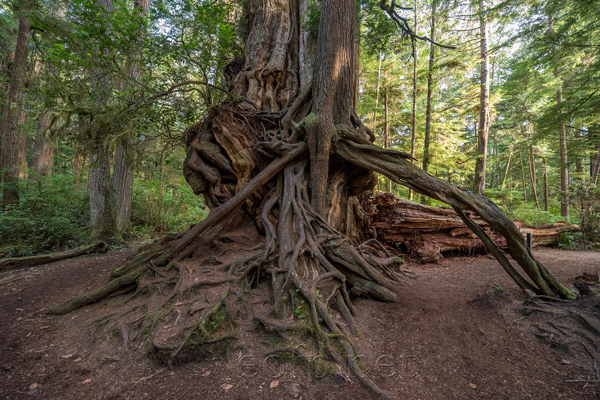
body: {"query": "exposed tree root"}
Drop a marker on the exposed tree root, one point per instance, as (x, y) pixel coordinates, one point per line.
(185, 295)
(30, 261)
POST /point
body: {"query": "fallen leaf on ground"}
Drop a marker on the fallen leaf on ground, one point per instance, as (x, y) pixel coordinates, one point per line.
(274, 384)
(86, 381)
(226, 386)
(33, 386)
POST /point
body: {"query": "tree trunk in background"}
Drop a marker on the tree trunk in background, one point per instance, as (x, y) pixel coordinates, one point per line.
(531, 163)
(533, 178)
(11, 127)
(413, 135)
(377, 94)
(506, 169)
(484, 106)
(579, 166)
(43, 150)
(523, 176)
(426, 156)
(23, 168)
(545, 185)
(78, 162)
(102, 219)
(44, 147)
(386, 134)
(122, 180)
(564, 162)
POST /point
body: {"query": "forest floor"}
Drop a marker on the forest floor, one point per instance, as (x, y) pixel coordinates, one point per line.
(455, 334)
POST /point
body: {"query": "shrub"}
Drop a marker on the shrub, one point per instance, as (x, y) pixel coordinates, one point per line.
(52, 215)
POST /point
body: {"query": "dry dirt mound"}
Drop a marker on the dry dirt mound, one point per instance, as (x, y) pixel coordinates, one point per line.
(454, 334)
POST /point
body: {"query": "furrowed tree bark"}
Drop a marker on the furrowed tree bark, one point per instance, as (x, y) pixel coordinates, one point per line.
(415, 55)
(523, 180)
(14, 107)
(428, 112)
(546, 194)
(579, 165)
(102, 217)
(122, 179)
(386, 133)
(564, 161)
(43, 150)
(333, 90)
(506, 168)
(484, 105)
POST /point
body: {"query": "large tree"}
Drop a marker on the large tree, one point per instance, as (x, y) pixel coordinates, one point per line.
(11, 127)
(281, 166)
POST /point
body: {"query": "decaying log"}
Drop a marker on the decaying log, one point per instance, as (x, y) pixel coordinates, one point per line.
(426, 233)
(30, 261)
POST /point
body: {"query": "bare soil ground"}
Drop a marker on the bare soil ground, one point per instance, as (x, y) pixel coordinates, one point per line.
(456, 334)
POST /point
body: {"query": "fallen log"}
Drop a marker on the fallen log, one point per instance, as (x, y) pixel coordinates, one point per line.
(426, 233)
(30, 261)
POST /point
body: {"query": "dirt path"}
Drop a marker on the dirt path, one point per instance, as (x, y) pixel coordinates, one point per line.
(446, 339)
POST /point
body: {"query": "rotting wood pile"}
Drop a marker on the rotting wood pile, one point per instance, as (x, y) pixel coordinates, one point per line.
(426, 233)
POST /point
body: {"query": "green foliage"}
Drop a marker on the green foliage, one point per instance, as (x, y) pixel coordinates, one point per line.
(586, 201)
(312, 18)
(535, 217)
(158, 210)
(51, 216)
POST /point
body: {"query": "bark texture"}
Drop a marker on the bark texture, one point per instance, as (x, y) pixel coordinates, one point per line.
(484, 104)
(427, 234)
(43, 150)
(564, 161)
(14, 107)
(426, 145)
(122, 178)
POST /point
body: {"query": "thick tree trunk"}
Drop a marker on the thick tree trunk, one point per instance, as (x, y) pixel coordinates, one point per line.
(43, 150)
(78, 162)
(415, 55)
(531, 163)
(122, 179)
(102, 217)
(595, 168)
(122, 184)
(377, 93)
(386, 133)
(428, 112)
(484, 105)
(579, 164)
(523, 180)
(11, 127)
(506, 169)
(333, 90)
(594, 136)
(546, 194)
(23, 167)
(564, 162)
